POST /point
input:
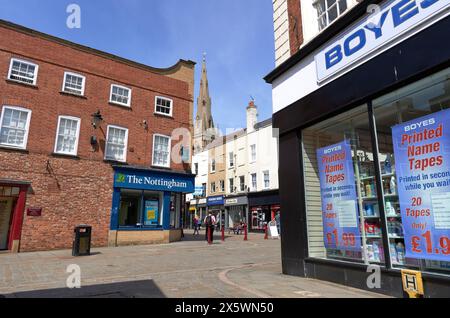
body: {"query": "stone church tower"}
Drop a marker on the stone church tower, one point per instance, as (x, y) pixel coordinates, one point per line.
(204, 129)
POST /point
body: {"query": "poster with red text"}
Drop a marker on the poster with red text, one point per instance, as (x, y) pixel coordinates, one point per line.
(422, 161)
(339, 199)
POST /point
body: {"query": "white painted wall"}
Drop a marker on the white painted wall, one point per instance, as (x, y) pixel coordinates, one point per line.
(266, 158)
(202, 175)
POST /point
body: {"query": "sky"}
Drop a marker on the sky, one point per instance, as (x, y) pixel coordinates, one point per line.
(236, 35)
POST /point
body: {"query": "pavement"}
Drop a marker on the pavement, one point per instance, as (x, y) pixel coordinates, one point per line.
(188, 269)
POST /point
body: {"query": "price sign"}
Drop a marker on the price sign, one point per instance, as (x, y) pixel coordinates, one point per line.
(422, 161)
(339, 200)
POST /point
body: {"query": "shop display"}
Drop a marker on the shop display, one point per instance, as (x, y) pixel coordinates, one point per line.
(423, 175)
(339, 198)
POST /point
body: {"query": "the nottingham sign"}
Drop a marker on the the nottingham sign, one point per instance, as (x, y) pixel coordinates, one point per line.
(148, 180)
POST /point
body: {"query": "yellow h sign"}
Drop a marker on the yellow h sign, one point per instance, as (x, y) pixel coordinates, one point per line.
(412, 283)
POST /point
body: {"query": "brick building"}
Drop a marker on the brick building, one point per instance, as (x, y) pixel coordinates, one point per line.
(85, 138)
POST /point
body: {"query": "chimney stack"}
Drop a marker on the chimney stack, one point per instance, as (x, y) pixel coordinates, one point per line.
(252, 116)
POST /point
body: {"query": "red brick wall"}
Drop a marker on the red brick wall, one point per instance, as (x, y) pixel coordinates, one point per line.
(71, 192)
(295, 25)
(79, 190)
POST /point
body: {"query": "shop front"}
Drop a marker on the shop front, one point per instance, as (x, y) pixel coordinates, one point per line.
(236, 211)
(12, 208)
(147, 205)
(264, 207)
(364, 151)
(216, 207)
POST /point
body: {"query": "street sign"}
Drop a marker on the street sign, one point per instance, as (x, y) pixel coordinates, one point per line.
(412, 283)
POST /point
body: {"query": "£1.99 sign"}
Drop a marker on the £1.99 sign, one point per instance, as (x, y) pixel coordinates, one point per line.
(422, 161)
(338, 192)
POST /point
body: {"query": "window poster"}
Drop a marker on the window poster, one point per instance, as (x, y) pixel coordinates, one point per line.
(422, 161)
(339, 199)
(151, 212)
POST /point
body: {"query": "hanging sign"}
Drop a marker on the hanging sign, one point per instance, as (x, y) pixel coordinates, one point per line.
(339, 199)
(422, 161)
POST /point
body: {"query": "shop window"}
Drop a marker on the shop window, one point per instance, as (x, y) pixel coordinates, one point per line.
(343, 216)
(163, 106)
(140, 209)
(67, 135)
(130, 208)
(116, 144)
(152, 208)
(23, 71)
(14, 128)
(413, 140)
(74, 83)
(120, 95)
(161, 151)
(328, 11)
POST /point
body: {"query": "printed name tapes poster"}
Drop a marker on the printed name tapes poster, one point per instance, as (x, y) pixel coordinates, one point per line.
(422, 161)
(339, 200)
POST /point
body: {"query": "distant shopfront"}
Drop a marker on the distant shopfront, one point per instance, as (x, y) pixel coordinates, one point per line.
(236, 211)
(147, 205)
(364, 158)
(264, 207)
(216, 207)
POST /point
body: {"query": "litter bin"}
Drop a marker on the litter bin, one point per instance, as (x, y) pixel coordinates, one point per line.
(82, 240)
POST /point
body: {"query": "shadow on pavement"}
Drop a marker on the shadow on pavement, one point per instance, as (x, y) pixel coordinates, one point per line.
(135, 289)
(189, 237)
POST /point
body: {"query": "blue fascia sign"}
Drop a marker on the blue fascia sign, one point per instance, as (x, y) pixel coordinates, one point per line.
(216, 200)
(153, 180)
(375, 33)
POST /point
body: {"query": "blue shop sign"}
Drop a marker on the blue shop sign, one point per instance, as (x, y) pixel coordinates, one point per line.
(380, 29)
(216, 200)
(153, 180)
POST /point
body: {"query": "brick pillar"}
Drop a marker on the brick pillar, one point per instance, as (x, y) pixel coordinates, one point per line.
(295, 25)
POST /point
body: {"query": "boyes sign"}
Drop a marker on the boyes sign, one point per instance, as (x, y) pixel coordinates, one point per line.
(375, 33)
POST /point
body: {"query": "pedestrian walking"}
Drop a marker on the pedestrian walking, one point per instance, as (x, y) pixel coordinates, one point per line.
(209, 222)
(196, 226)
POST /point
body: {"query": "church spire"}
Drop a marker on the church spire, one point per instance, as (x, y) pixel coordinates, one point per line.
(204, 121)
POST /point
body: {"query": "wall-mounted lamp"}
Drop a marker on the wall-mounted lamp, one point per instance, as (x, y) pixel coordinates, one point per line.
(96, 119)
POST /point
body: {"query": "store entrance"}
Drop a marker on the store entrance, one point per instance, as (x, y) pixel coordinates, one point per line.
(6, 207)
(260, 217)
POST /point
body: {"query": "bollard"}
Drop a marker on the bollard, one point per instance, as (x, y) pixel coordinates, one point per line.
(245, 232)
(223, 233)
(266, 236)
(209, 235)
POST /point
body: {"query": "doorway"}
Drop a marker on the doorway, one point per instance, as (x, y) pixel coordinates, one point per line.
(6, 207)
